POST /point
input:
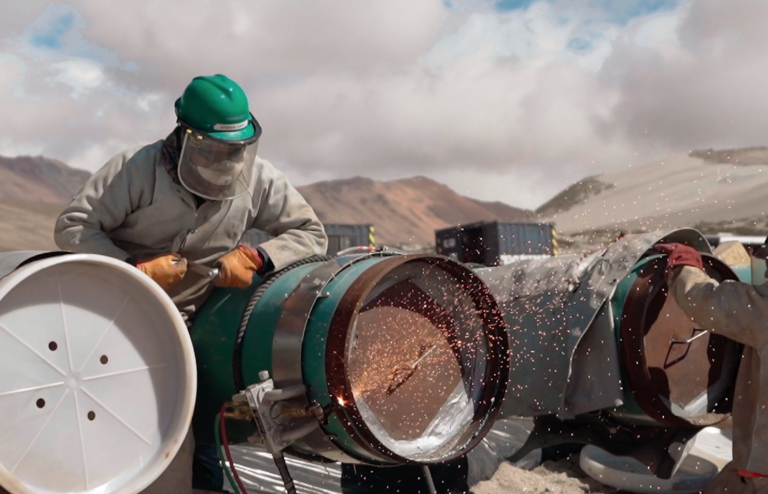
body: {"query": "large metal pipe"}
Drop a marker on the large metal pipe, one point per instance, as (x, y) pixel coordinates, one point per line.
(601, 355)
(674, 373)
(399, 356)
(598, 333)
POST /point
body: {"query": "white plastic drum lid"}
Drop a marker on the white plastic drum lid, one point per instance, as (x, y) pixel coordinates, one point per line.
(694, 474)
(97, 377)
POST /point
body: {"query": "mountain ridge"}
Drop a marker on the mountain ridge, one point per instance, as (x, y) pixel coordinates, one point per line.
(403, 211)
(37, 178)
(711, 190)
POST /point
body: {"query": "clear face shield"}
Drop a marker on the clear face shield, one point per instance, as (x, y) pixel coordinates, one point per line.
(759, 259)
(216, 169)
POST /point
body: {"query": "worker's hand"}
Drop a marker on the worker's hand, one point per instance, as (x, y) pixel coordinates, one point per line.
(680, 255)
(165, 270)
(238, 267)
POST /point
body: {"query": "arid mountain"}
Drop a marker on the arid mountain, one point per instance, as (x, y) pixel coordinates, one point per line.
(505, 212)
(404, 211)
(715, 191)
(38, 179)
(33, 190)
(27, 225)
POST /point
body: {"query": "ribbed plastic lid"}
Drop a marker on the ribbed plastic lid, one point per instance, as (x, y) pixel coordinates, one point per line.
(97, 377)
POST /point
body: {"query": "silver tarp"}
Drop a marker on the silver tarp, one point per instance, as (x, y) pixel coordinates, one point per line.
(564, 353)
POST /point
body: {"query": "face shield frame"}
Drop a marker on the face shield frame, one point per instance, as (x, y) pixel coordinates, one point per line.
(759, 261)
(214, 168)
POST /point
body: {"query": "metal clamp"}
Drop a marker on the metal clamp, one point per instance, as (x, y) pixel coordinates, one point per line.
(690, 340)
(210, 273)
(673, 342)
(264, 399)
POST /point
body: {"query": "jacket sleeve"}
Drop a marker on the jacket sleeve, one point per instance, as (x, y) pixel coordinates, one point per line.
(736, 310)
(284, 214)
(102, 205)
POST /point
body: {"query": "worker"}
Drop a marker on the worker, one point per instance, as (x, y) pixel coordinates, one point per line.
(738, 311)
(183, 204)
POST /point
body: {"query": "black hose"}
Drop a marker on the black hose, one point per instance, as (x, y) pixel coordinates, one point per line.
(428, 478)
(282, 467)
(237, 361)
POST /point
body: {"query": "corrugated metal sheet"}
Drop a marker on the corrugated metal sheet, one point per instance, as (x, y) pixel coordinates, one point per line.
(523, 238)
(340, 236)
(491, 242)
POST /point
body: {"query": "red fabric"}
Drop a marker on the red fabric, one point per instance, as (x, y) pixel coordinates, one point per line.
(258, 261)
(680, 255)
(751, 475)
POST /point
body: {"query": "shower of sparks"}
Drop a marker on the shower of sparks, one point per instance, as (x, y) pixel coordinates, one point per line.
(412, 346)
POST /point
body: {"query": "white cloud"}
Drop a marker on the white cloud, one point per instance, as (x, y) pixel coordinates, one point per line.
(510, 106)
(151, 101)
(701, 86)
(654, 32)
(10, 147)
(80, 75)
(482, 99)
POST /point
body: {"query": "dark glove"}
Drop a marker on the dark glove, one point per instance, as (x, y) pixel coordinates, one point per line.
(680, 255)
(238, 267)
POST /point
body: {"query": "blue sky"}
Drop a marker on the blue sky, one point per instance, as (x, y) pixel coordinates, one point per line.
(57, 35)
(52, 35)
(590, 21)
(620, 12)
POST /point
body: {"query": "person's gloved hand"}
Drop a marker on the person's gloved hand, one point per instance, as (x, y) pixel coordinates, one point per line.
(238, 267)
(680, 255)
(165, 270)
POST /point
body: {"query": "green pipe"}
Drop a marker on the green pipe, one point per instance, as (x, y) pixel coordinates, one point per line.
(630, 411)
(651, 324)
(213, 335)
(661, 375)
(305, 327)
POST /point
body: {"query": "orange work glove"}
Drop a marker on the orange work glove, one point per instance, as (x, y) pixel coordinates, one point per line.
(165, 270)
(238, 267)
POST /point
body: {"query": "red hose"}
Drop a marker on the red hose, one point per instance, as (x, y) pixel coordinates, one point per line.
(225, 443)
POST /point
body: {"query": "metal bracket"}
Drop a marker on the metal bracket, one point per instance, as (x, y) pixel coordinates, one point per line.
(266, 403)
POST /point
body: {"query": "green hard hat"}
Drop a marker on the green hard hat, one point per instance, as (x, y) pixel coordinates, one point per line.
(217, 105)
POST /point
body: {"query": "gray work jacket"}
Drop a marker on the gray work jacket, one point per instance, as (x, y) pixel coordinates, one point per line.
(132, 206)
